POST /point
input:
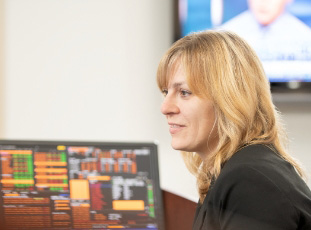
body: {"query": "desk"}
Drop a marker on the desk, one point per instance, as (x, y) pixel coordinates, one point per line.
(179, 212)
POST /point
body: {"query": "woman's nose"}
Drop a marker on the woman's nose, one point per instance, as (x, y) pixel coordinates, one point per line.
(169, 106)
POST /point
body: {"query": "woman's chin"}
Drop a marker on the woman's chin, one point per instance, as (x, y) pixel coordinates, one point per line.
(180, 147)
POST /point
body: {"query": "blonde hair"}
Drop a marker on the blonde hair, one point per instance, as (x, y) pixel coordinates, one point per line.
(220, 66)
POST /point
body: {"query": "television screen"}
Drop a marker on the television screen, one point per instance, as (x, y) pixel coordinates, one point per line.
(79, 185)
(278, 30)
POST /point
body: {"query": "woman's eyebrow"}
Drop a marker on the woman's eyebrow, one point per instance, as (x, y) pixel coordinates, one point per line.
(178, 84)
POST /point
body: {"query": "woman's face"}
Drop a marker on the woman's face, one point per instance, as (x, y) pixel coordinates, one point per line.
(191, 119)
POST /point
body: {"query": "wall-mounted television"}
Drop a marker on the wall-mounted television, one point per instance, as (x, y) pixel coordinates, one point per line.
(278, 30)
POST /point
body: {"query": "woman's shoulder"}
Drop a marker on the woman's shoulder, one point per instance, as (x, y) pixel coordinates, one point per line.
(250, 152)
(260, 161)
(254, 163)
(256, 157)
(258, 171)
(256, 187)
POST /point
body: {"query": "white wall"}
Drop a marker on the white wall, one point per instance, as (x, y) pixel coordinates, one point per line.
(2, 94)
(82, 69)
(297, 119)
(85, 70)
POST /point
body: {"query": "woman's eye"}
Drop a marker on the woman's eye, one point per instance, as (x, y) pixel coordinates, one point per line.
(164, 92)
(185, 93)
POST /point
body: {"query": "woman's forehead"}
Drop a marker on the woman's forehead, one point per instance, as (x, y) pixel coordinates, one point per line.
(171, 67)
(177, 76)
(176, 68)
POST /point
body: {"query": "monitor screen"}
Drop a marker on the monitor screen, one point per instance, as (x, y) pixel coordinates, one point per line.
(79, 185)
(279, 30)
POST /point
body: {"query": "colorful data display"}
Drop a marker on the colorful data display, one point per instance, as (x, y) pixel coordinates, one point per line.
(79, 186)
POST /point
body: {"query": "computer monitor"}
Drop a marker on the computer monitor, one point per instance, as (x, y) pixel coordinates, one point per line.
(79, 185)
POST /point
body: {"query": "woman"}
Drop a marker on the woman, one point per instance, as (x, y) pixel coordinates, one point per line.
(220, 114)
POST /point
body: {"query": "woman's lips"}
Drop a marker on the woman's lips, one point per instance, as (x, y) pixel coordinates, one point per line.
(175, 128)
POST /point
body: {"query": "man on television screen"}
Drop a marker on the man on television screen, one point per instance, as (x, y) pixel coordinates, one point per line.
(276, 35)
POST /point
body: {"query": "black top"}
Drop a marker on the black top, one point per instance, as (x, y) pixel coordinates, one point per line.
(256, 190)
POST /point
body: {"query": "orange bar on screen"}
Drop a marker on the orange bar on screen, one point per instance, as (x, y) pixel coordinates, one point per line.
(62, 201)
(116, 167)
(14, 181)
(99, 178)
(15, 152)
(51, 185)
(51, 170)
(137, 205)
(61, 208)
(49, 163)
(61, 205)
(79, 189)
(11, 194)
(125, 167)
(94, 166)
(134, 168)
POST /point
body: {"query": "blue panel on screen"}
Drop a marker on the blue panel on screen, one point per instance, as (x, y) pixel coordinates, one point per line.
(197, 16)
